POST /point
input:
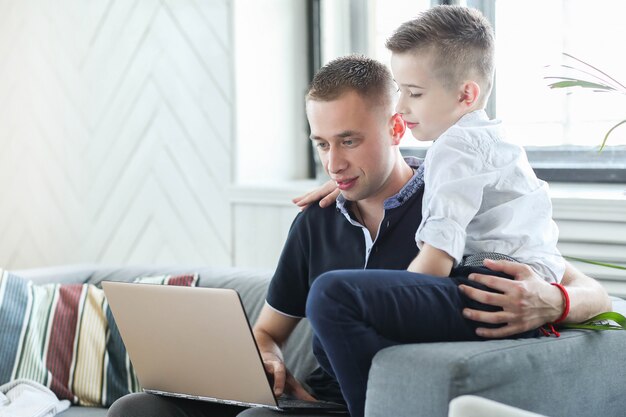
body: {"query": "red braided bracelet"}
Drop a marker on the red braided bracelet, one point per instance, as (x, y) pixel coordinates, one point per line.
(566, 297)
(548, 328)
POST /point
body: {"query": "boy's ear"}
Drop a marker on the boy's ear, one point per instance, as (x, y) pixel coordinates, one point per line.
(398, 127)
(470, 93)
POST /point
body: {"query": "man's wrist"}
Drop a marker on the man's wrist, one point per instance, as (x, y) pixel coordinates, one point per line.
(566, 303)
(556, 303)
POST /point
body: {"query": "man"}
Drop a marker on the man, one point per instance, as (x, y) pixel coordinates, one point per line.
(357, 134)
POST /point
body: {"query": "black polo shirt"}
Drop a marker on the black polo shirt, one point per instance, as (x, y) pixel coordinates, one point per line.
(326, 239)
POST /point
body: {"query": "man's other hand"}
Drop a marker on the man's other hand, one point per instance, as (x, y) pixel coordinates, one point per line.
(527, 302)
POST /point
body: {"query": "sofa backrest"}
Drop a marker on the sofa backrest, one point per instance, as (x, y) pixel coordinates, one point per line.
(251, 284)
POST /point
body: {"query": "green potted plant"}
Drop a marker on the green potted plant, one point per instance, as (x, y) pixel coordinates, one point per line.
(588, 77)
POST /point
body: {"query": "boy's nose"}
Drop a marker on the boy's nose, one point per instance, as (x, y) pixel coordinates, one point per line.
(400, 108)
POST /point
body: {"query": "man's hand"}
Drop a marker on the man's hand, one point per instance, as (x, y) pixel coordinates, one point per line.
(327, 192)
(283, 381)
(271, 331)
(527, 302)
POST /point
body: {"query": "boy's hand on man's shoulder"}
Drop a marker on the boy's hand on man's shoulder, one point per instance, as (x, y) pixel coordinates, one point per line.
(327, 194)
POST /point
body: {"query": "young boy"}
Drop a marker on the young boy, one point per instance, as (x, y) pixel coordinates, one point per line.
(481, 195)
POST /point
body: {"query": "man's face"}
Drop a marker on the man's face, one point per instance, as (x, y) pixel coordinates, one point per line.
(428, 108)
(354, 141)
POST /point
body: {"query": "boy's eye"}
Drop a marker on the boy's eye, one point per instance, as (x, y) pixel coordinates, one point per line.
(414, 95)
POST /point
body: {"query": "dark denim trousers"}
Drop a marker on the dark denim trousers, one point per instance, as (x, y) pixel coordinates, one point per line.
(356, 313)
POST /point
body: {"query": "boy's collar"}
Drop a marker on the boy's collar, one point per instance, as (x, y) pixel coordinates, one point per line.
(474, 116)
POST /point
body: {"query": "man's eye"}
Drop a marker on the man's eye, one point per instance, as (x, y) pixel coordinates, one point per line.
(321, 145)
(414, 95)
(348, 142)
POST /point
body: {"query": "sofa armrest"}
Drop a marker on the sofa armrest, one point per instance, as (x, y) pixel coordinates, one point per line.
(576, 374)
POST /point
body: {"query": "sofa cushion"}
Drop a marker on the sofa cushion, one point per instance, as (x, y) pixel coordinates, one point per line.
(64, 336)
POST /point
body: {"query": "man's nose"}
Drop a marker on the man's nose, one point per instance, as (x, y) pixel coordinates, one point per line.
(336, 161)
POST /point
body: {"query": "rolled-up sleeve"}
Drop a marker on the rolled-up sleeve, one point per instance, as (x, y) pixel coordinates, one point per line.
(456, 173)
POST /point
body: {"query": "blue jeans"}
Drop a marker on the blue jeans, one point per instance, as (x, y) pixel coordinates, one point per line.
(356, 313)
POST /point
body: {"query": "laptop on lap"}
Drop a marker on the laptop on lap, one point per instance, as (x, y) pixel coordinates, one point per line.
(196, 343)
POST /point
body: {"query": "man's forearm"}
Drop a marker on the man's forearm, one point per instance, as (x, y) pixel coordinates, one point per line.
(587, 297)
(267, 345)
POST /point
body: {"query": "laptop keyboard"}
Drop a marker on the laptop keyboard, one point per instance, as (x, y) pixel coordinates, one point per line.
(289, 403)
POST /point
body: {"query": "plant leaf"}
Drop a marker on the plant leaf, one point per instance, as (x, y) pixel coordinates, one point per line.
(596, 69)
(608, 133)
(580, 83)
(589, 261)
(610, 315)
(594, 74)
(592, 326)
(600, 322)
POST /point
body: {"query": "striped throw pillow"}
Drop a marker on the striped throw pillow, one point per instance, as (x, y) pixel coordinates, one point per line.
(64, 337)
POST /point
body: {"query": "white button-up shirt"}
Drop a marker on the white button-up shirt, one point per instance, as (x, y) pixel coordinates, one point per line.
(481, 195)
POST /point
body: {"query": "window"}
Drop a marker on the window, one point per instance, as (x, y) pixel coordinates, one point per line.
(533, 34)
(561, 130)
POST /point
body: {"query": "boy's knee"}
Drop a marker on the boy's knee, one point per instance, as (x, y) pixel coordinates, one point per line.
(327, 290)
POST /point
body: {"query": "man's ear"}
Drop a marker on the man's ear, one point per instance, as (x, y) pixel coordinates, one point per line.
(398, 127)
(470, 93)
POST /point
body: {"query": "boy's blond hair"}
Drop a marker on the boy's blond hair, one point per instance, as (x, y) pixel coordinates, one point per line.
(365, 76)
(460, 42)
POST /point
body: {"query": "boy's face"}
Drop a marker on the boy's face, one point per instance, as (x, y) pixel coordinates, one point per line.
(354, 141)
(428, 108)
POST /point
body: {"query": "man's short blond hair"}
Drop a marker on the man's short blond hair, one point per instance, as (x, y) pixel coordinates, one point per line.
(460, 42)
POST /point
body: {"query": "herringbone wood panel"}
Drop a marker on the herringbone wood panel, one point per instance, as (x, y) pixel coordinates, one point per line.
(115, 131)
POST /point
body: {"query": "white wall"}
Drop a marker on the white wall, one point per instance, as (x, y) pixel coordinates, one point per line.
(116, 131)
(125, 124)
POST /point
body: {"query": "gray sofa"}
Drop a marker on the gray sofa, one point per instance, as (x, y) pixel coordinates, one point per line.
(582, 373)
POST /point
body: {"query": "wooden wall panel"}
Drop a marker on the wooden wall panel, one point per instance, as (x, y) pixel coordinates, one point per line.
(115, 131)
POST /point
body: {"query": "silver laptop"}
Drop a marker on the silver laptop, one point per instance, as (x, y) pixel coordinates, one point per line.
(196, 343)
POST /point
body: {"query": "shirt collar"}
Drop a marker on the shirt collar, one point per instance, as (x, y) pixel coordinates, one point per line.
(473, 117)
